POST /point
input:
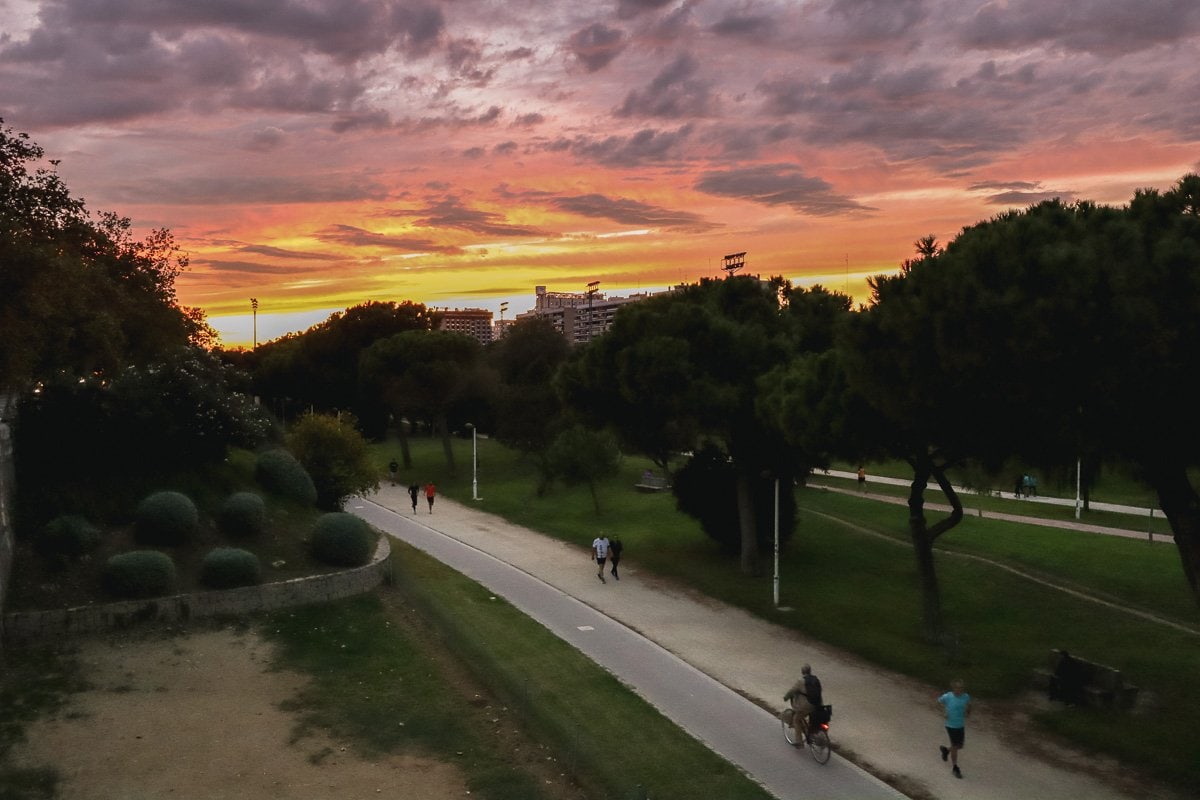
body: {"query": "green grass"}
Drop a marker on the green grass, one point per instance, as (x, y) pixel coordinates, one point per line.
(374, 686)
(34, 681)
(865, 591)
(609, 737)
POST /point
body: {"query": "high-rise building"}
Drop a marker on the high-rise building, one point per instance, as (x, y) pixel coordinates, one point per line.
(475, 322)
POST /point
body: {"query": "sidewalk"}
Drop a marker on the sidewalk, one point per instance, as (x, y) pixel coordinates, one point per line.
(885, 723)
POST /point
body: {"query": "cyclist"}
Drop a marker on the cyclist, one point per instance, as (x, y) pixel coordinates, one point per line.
(805, 697)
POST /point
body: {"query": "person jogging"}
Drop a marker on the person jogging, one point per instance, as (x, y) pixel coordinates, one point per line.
(957, 705)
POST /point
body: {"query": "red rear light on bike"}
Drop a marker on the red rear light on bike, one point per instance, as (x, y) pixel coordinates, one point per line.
(824, 726)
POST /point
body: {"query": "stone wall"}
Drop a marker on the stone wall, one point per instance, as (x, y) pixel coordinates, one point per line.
(7, 489)
(26, 625)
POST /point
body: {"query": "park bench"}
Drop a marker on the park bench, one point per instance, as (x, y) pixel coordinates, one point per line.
(1096, 684)
(652, 483)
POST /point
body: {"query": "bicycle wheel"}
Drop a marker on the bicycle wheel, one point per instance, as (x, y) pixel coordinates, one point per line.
(789, 733)
(818, 745)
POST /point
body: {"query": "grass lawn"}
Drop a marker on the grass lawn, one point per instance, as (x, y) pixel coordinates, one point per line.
(864, 586)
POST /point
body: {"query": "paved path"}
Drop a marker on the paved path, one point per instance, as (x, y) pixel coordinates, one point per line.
(884, 722)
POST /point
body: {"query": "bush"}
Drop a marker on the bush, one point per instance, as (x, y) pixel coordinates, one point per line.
(165, 518)
(335, 454)
(341, 539)
(139, 573)
(279, 472)
(242, 515)
(227, 567)
(66, 538)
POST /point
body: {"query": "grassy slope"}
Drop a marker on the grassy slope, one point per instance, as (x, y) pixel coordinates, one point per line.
(865, 589)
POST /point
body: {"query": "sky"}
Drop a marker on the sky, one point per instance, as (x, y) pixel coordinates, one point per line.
(318, 154)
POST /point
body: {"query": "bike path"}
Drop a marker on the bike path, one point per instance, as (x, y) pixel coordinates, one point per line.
(732, 726)
(882, 721)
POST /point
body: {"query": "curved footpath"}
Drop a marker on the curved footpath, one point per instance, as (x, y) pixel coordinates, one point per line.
(698, 661)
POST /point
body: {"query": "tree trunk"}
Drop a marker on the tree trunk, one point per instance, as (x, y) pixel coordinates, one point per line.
(923, 537)
(595, 497)
(1181, 506)
(405, 455)
(745, 499)
(443, 428)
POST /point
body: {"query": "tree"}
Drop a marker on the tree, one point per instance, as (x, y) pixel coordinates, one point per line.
(79, 296)
(529, 411)
(579, 455)
(318, 368)
(335, 455)
(419, 373)
(679, 370)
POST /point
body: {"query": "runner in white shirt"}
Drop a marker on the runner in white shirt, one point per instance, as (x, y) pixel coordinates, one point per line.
(600, 552)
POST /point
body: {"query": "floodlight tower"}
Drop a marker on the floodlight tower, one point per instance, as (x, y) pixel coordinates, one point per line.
(733, 262)
(592, 288)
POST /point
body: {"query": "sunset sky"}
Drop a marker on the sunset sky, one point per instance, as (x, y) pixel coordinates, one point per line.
(316, 154)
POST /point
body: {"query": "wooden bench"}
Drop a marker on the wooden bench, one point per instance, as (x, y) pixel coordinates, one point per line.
(1097, 685)
(652, 483)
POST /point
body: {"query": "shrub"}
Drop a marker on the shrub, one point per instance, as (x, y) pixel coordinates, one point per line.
(139, 573)
(341, 539)
(227, 567)
(279, 472)
(165, 518)
(66, 538)
(335, 454)
(242, 515)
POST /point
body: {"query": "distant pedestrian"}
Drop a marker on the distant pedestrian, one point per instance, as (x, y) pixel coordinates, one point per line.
(414, 491)
(862, 478)
(600, 553)
(430, 493)
(1027, 484)
(393, 467)
(957, 705)
(1020, 485)
(1032, 486)
(614, 555)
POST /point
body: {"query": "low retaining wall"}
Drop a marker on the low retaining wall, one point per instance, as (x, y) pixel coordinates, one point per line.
(26, 625)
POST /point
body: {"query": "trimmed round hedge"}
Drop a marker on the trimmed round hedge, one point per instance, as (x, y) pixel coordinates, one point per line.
(166, 519)
(341, 539)
(139, 573)
(227, 567)
(66, 538)
(242, 515)
(280, 473)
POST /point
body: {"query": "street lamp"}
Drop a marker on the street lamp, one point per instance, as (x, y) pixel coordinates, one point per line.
(254, 315)
(474, 461)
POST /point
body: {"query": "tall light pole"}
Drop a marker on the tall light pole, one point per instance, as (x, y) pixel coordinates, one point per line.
(777, 542)
(254, 316)
(474, 461)
(592, 288)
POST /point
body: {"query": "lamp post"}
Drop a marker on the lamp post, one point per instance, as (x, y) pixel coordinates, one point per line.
(254, 316)
(777, 542)
(474, 461)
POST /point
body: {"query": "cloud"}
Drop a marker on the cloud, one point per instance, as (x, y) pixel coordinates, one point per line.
(1018, 193)
(350, 236)
(596, 45)
(648, 145)
(631, 212)
(1104, 27)
(279, 252)
(632, 8)
(675, 93)
(249, 189)
(451, 213)
(779, 185)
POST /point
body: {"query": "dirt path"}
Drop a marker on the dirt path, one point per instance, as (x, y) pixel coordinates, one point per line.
(198, 716)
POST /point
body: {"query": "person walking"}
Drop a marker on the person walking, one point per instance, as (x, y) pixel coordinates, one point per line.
(805, 697)
(614, 554)
(957, 705)
(393, 467)
(414, 491)
(430, 493)
(862, 478)
(600, 553)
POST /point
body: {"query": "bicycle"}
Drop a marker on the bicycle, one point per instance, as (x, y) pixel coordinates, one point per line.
(817, 739)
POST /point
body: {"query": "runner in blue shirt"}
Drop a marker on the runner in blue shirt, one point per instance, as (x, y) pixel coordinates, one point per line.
(957, 705)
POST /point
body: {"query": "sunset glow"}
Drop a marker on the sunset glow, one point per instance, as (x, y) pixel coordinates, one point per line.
(316, 155)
